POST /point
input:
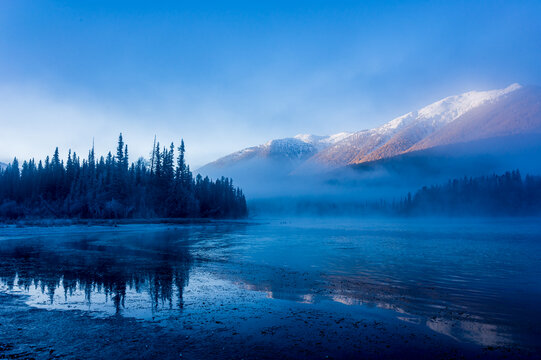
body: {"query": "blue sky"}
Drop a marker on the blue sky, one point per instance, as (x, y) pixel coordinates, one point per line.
(229, 74)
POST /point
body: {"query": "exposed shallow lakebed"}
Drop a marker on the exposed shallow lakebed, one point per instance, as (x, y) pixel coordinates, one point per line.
(295, 288)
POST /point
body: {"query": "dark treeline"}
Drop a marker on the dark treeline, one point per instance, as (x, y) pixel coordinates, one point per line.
(509, 194)
(503, 195)
(111, 187)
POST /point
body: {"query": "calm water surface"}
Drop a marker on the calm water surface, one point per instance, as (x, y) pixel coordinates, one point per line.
(473, 281)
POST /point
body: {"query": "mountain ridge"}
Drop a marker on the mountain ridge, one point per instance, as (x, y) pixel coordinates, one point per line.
(459, 118)
(397, 135)
(292, 149)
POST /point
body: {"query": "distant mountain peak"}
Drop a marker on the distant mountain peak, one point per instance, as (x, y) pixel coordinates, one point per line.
(401, 133)
(451, 107)
(447, 109)
(465, 117)
(297, 148)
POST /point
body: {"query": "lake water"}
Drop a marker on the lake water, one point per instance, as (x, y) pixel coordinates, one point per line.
(476, 282)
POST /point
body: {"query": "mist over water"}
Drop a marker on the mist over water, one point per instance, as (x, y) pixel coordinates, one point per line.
(473, 281)
(292, 188)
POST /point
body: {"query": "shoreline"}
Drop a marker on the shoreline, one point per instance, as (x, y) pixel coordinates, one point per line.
(56, 222)
(23, 327)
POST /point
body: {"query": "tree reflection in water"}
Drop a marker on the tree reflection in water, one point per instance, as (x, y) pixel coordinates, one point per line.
(157, 262)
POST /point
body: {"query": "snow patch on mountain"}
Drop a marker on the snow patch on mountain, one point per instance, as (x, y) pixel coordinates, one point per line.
(331, 139)
(322, 142)
(446, 110)
(399, 134)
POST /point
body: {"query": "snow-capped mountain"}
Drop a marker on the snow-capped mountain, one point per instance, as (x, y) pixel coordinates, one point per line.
(290, 152)
(519, 112)
(400, 134)
(468, 117)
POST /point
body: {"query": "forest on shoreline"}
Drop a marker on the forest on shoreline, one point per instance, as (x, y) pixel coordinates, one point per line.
(113, 188)
(164, 187)
(507, 195)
